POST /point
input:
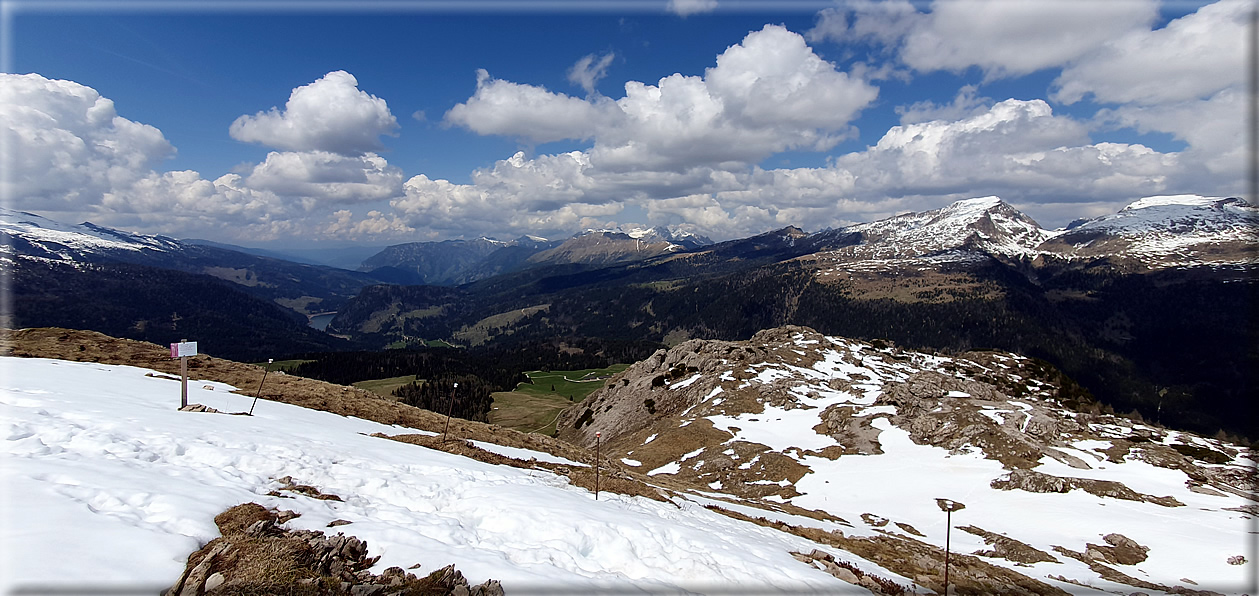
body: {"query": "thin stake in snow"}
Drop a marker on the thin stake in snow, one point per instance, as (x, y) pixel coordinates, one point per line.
(264, 380)
(597, 440)
(948, 507)
(449, 409)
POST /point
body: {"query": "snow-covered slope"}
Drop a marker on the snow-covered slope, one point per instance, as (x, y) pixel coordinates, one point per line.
(1167, 231)
(1154, 232)
(606, 247)
(106, 486)
(956, 232)
(39, 237)
(872, 435)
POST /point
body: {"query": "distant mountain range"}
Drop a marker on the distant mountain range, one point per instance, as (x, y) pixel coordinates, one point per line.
(454, 262)
(303, 288)
(1147, 307)
(159, 289)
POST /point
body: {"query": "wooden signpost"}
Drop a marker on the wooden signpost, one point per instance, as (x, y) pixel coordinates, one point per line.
(182, 351)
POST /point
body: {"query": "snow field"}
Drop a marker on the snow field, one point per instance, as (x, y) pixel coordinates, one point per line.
(100, 469)
(1192, 542)
(902, 484)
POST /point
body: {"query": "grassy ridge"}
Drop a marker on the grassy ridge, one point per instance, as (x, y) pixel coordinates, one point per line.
(284, 365)
(574, 384)
(385, 387)
(534, 407)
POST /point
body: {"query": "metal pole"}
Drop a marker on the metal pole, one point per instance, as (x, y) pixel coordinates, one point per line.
(597, 441)
(449, 409)
(264, 380)
(947, 532)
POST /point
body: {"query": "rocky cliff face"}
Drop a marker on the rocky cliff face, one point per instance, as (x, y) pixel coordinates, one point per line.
(866, 435)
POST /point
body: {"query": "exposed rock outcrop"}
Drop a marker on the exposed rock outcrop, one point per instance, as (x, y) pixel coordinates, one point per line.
(1038, 482)
(257, 555)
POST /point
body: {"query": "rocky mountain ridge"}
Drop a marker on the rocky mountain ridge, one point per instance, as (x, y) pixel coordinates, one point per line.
(1148, 234)
(861, 437)
(1164, 232)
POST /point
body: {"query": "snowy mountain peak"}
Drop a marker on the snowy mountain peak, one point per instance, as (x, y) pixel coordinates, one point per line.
(984, 224)
(681, 235)
(1167, 231)
(975, 205)
(39, 237)
(1165, 200)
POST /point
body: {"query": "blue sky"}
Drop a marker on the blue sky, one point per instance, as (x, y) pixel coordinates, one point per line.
(299, 124)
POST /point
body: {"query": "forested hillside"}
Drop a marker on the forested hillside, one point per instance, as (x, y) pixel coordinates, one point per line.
(479, 371)
(1173, 345)
(161, 306)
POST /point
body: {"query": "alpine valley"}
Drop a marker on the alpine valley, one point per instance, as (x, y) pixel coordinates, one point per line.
(1149, 309)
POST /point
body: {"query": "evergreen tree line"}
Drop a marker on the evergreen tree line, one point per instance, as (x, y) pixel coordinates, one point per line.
(160, 306)
(500, 366)
(470, 400)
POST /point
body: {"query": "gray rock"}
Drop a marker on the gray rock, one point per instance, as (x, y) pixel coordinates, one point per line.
(489, 588)
(846, 575)
(214, 581)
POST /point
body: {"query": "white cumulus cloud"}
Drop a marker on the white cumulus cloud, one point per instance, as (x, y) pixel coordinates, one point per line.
(1019, 150)
(767, 94)
(1193, 57)
(1002, 37)
(330, 114)
(317, 177)
(344, 225)
(67, 151)
(526, 111)
(65, 145)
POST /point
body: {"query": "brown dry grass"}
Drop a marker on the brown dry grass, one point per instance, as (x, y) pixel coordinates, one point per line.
(611, 478)
(258, 564)
(237, 519)
(612, 481)
(915, 559)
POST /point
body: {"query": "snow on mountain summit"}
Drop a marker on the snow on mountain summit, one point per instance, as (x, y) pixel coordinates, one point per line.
(959, 231)
(1167, 231)
(35, 236)
(1165, 200)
